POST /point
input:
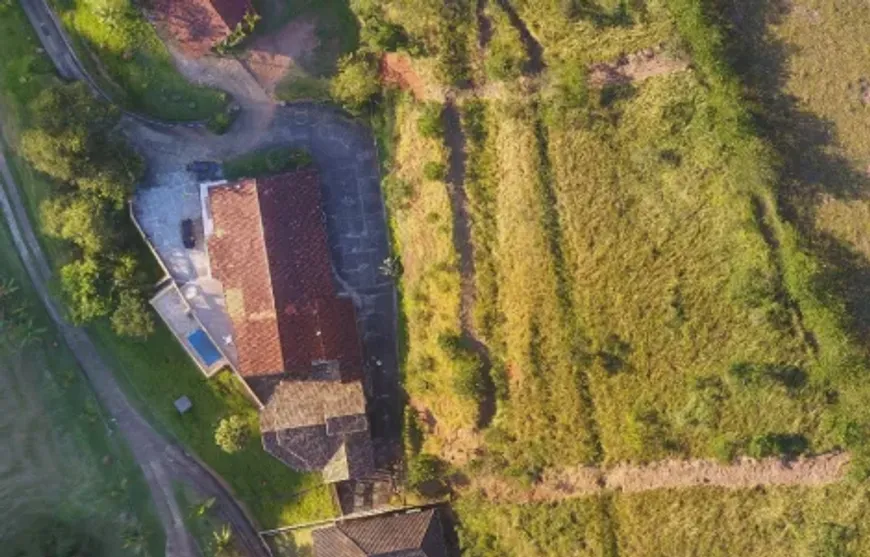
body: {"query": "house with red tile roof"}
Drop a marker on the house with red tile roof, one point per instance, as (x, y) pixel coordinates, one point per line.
(296, 338)
(198, 25)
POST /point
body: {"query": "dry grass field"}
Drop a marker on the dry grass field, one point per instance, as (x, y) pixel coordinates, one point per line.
(780, 522)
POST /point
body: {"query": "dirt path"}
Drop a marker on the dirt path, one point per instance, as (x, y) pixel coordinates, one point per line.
(556, 485)
(533, 48)
(454, 138)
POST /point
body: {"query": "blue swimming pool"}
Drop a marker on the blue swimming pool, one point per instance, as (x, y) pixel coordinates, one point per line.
(206, 349)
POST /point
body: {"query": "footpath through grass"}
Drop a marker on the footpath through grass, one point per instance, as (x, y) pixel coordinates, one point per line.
(157, 371)
(123, 53)
(65, 471)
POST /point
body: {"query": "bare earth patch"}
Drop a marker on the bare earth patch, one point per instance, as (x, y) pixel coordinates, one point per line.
(638, 66)
(747, 473)
(271, 57)
(397, 69)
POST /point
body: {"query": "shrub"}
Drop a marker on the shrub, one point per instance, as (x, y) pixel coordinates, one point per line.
(723, 449)
(131, 317)
(469, 379)
(506, 55)
(80, 282)
(451, 61)
(382, 35)
(357, 81)
(412, 432)
(435, 170)
(232, 433)
(424, 468)
(220, 122)
(430, 124)
(787, 446)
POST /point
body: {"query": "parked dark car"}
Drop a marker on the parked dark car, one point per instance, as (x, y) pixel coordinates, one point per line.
(187, 236)
(205, 170)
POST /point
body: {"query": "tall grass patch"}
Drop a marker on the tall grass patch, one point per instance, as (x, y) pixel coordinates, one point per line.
(672, 276)
(436, 369)
(548, 417)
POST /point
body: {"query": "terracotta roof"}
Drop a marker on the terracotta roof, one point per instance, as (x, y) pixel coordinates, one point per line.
(412, 534)
(269, 250)
(198, 25)
(239, 261)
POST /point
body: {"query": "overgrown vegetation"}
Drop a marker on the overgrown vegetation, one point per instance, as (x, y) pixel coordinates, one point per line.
(122, 51)
(242, 31)
(71, 139)
(702, 521)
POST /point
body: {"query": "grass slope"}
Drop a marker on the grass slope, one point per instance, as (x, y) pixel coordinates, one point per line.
(60, 458)
(125, 55)
(423, 235)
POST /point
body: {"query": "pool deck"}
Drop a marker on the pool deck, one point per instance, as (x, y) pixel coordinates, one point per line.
(182, 321)
(158, 212)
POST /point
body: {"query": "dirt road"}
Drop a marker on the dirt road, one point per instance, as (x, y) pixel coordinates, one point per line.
(746, 473)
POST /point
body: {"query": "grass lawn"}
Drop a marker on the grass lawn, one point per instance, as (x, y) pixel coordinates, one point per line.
(157, 371)
(61, 461)
(124, 54)
(711, 522)
(264, 162)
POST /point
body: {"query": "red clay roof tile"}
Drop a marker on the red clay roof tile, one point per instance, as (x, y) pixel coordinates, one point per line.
(269, 250)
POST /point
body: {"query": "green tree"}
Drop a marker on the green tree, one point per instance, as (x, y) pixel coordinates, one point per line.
(80, 219)
(73, 140)
(357, 81)
(80, 282)
(232, 433)
(131, 317)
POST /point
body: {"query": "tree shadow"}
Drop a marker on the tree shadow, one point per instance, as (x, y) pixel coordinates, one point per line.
(811, 166)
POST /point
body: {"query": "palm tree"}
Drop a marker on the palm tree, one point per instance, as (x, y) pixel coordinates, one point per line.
(223, 541)
(135, 539)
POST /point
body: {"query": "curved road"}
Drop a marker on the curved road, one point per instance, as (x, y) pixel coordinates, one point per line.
(345, 152)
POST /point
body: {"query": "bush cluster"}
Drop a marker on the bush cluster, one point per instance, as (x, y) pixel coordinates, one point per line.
(430, 124)
(469, 375)
(232, 433)
(357, 82)
(72, 139)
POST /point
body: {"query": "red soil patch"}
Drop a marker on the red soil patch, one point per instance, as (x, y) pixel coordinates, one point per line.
(272, 57)
(198, 25)
(397, 69)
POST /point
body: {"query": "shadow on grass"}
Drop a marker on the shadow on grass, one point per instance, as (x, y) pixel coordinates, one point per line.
(811, 166)
(337, 29)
